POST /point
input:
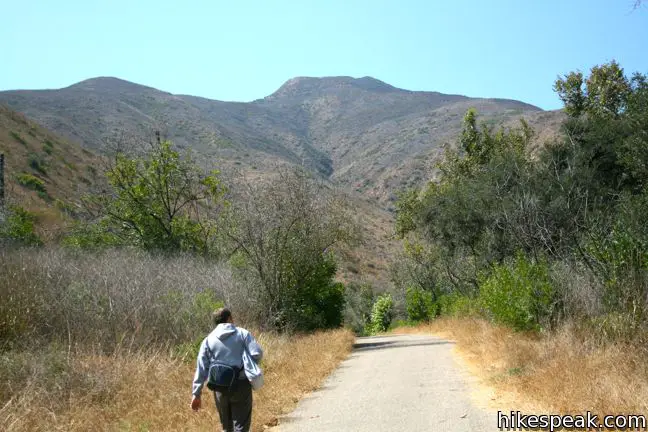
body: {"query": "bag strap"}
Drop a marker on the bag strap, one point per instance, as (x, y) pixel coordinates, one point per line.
(240, 335)
(209, 350)
(244, 347)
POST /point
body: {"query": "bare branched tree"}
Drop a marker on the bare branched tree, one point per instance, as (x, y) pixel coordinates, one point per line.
(284, 229)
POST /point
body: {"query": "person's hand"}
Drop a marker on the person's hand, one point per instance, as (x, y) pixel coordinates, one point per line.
(195, 403)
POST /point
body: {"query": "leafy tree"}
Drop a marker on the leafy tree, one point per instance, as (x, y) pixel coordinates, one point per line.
(570, 90)
(420, 305)
(605, 91)
(407, 206)
(606, 139)
(634, 148)
(497, 211)
(160, 201)
(359, 301)
(284, 233)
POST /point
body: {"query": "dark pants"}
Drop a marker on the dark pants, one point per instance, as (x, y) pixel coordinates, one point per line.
(235, 407)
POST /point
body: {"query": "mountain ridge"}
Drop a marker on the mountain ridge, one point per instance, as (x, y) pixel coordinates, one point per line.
(365, 134)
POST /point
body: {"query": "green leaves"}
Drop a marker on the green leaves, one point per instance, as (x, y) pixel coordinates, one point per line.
(407, 210)
(484, 228)
(420, 304)
(17, 225)
(605, 91)
(31, 182)
(162, 201)
(571, 93)
(518, 293)
(382, 314)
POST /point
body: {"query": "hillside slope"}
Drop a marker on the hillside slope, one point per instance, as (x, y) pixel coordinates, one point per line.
(43, 172)
(362, 133)
(47, 175)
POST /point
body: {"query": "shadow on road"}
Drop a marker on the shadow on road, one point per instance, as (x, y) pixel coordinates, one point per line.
(365, 346)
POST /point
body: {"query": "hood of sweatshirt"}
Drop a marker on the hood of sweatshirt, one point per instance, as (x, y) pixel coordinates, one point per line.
(223, 331)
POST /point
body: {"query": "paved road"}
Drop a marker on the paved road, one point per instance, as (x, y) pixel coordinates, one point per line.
(393, 383)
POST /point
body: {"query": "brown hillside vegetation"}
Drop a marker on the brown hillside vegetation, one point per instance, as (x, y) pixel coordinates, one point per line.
(44, 173)
(567, 371)
(362, 133)
(48, 174)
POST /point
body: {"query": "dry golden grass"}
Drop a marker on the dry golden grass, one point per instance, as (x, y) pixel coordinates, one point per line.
(561, 372)
(151, 392)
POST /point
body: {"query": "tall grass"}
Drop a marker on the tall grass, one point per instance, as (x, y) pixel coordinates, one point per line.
(92, 342)
(570, 370)
(150, 391)
(108, 300)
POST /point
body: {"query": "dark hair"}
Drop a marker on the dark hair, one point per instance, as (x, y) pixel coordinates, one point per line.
(221, 315)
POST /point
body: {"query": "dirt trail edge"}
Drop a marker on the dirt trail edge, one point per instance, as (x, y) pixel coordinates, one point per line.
(390, 383)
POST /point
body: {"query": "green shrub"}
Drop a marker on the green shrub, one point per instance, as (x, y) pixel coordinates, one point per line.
(420, 305)
(518, 293)
(359, 301)
(17, 137)
(44, 196)
(37, 163)
(319, 304)
(187, 309)
(65, 207)
(90, 236)
(204, 303)
(382, 313)
(459, 305)
(403, 323)
(17, 225)
(48, 147)
(621, 254)
(186, 351)
(31, 182)
(70, 165)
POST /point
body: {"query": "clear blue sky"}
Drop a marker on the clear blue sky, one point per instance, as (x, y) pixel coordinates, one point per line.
(245, 49)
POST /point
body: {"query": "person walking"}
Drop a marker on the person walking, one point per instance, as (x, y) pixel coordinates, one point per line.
(225, 345)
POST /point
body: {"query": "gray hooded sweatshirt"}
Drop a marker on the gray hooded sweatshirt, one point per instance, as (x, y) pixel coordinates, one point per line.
(227, 344)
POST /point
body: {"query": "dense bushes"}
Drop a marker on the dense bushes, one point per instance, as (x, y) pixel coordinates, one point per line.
(319, 304)
(511, 231)
(420, 305)
(109, 299)
(519, 293)
(359, 300)
(17, 226)
(381, 314)
(458, 305)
